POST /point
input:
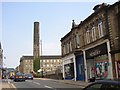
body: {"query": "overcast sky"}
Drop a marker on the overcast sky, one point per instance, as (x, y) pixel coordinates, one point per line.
(16, 25)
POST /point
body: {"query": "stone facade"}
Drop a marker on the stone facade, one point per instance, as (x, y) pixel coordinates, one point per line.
(51, 64)
(26, 64)
(91, 48)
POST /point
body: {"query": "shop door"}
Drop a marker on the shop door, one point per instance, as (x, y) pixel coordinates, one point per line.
(80, 68)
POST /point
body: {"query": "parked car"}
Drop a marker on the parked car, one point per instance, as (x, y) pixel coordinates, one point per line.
(19, 77)
(104, 85)
(29, 76)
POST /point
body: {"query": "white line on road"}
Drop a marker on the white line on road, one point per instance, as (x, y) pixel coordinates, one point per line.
(29, 81)
(47, 86)
(37, 83)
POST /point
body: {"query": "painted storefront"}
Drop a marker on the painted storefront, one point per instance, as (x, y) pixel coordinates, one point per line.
(99, 62)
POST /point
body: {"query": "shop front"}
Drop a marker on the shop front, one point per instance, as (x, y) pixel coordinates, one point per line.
(98, 63)
(68, 67)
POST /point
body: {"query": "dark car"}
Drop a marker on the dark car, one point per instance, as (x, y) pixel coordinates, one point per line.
(104, 85)
(29, 76)
(19, 77)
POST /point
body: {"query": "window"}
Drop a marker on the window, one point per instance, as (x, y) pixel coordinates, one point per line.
(88, 36)
(78, 40)
(44, 65)
(93, 33)
(51, 60)
(54, 60)
(70, 46)
(47, 60)
(51, 65)
(64, 51)
(26, 65)
(75, 42)
(67, 47)
(100, 29)
(58, 60)
(47, 65)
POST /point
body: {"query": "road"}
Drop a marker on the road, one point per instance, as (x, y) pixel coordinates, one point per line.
(44, 84)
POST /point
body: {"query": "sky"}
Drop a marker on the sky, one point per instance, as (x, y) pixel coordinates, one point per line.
(55, 17)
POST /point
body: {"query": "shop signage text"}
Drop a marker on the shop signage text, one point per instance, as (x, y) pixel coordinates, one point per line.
(96, 51)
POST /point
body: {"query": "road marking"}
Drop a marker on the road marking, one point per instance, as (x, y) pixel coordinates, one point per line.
(13, 86)
(47, 86)
(37, 83)
(29, 81)
(81, 86)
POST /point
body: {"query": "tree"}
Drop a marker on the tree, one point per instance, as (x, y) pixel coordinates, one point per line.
(36, 64)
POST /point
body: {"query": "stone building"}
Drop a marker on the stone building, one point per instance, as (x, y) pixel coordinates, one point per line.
(26, 64)
(49, 64)
(114, 36)
(91, 48)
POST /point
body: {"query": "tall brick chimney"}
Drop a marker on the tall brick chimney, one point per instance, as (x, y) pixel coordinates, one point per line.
(36, 51)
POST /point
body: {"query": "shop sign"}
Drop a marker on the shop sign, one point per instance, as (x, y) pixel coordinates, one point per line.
(98, 50)
(118, 68)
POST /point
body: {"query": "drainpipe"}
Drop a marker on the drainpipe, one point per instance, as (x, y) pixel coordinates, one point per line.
(85, 66)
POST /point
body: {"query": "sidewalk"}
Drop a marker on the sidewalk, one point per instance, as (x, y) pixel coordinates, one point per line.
(6, 85)
(72, 82)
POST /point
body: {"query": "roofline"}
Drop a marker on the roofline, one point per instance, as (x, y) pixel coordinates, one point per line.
(42, 57)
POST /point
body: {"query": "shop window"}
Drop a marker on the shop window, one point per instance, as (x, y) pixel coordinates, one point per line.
(69, 70)
(101, 69)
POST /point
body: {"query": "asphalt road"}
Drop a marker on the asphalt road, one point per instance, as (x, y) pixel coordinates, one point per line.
(44, 84)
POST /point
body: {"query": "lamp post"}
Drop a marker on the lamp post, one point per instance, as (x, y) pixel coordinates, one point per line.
(41, 64)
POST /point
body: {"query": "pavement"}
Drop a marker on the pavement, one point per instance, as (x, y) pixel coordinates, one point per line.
(6, 85)
(72, 82)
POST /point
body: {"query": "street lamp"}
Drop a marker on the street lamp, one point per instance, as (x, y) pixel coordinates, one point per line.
(41, 64)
